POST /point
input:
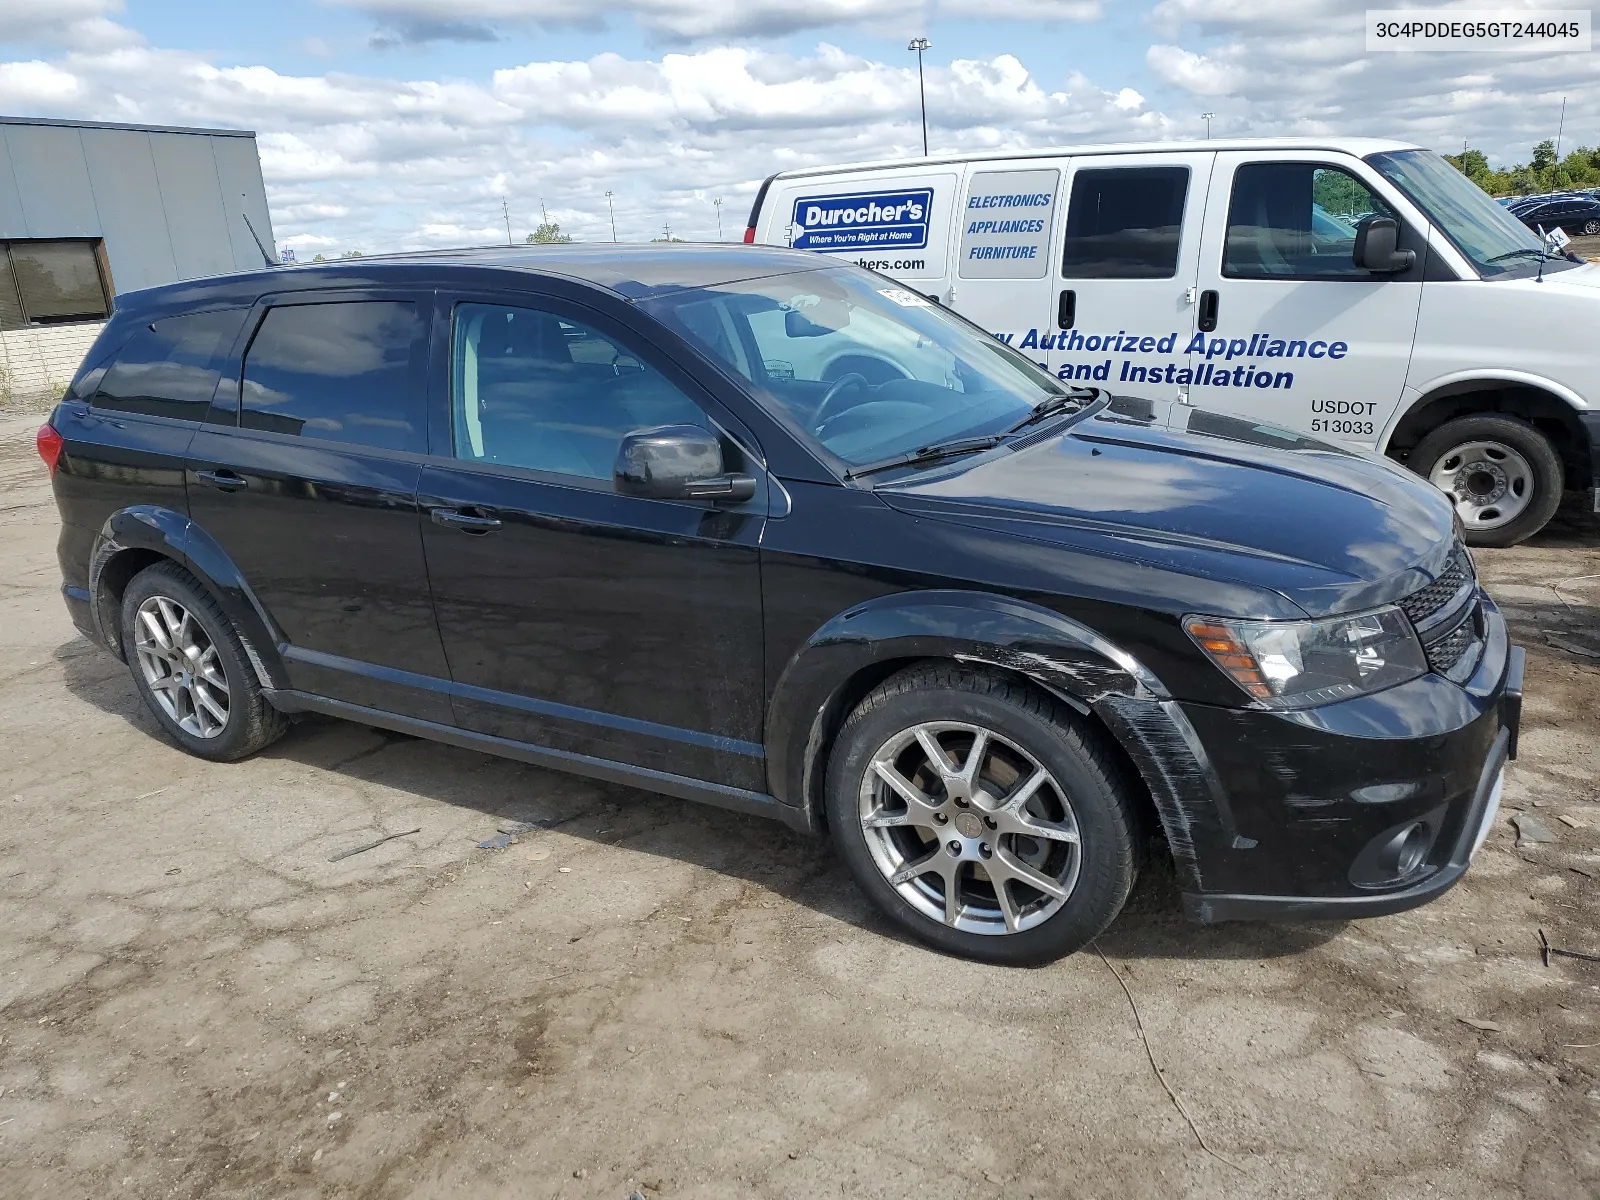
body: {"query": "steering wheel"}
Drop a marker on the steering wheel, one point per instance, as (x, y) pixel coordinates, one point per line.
(822, 415)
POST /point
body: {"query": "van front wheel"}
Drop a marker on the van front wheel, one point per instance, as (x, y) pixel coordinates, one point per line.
(1503, 474)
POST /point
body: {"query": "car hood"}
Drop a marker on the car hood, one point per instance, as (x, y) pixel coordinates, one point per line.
(1184, 490)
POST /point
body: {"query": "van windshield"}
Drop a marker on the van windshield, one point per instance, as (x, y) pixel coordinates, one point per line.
(854, 363)
(1493, 239)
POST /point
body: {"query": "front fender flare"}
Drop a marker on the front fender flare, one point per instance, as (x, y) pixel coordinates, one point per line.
(1064, 656)
(173, 535)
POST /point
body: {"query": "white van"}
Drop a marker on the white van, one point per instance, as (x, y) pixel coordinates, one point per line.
(1360, 290)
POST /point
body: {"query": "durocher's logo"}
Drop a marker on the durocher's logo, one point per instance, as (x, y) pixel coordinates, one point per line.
(863, 221)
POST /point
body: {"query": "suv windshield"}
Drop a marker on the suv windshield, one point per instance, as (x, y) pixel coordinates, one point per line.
(858, 365)
(1493, 240)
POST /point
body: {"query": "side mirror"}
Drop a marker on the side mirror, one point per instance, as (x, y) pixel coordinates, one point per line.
(677, 462)
(1377, 247)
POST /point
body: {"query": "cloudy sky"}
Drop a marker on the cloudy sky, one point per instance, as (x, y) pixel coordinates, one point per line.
(388, 124)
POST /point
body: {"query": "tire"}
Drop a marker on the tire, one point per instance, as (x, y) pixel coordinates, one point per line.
(200, 668)
(1084, 795)
(1591, 227)
(1505, 475)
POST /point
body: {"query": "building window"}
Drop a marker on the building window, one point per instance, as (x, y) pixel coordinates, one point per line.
(48, 282)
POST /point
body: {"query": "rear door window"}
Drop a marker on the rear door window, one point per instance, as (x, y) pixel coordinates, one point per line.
(169, 368)
(348, 371)
(1125, 223)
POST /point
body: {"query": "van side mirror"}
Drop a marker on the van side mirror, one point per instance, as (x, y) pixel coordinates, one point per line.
(677, 462)
(1377, 247)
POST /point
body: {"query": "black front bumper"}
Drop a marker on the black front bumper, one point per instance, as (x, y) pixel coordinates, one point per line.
(1363, 808)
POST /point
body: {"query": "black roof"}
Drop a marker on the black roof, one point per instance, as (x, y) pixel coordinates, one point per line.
(632, 271)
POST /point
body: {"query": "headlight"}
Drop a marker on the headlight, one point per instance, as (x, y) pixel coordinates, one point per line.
(1301, 664)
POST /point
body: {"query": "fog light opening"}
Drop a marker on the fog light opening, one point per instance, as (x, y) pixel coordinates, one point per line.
(1413, 847)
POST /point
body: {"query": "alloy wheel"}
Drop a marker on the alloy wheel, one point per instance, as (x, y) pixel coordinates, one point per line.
(1591, 227)
(969, 828)
(1490, 482)
(181, 667)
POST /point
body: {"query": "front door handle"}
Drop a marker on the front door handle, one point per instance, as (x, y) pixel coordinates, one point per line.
(1208, 311)
(454, 518)
(1067, 310)
(223, 479)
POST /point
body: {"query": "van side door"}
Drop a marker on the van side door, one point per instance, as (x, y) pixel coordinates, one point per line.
(1301, 336)
(1123, 312)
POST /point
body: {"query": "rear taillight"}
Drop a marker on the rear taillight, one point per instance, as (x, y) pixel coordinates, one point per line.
(750, 235)
(50, 444)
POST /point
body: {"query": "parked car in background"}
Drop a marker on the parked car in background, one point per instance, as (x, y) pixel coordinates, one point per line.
(608, 511)
(1575, 214)
(1362, 291)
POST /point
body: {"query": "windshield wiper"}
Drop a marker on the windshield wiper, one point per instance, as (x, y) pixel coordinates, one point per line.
(1051, 405)
(1520, 250)
(930, 454)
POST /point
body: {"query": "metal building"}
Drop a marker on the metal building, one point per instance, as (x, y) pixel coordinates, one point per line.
(88, 210)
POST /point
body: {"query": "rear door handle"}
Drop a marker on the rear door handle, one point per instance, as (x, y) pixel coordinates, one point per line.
(454, 518)
(1067, 310)
(1208, 311)
(226, 480)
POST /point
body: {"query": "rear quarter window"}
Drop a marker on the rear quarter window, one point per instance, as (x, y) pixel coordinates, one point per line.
(167, 368)
(349, 371)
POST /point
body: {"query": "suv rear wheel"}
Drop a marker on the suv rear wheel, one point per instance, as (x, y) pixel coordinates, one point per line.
(981, 816)
(190, 667)
(1503, 474)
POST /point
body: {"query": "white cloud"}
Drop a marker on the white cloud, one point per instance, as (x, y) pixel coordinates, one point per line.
(376, 163)
(414, 21)
(81, 24)
(1193, 72)
(1270, 67)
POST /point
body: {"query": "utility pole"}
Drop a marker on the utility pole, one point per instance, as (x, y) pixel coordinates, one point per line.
(919, 45)
(1561, 125)
(506, 212)
(717, 203)
(1206, 117)
(611, 208)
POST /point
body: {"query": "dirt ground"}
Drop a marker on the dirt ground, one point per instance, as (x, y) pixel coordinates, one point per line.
(661, 997)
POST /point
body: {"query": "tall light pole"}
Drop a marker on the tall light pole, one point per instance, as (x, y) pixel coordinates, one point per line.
(718, 204)
(919, 45)
(505, 211)
(1206, 117)
(612, 210)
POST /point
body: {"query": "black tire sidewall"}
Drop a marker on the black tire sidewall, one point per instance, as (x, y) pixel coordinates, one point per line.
(1106, 827)
(244, 694)
(1527, 441)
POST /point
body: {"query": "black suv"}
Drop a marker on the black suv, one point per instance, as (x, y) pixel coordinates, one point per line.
(740, 525)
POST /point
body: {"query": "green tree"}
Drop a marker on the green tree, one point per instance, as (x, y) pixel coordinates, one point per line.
(351, 254)
(1544, 156)
(547, 234)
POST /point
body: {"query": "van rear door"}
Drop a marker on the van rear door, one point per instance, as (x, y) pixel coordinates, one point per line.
(897, 222)
(1004, 271)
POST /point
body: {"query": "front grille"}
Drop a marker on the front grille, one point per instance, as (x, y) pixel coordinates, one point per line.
(1451, 633)
(1446, 652)
(1421, 605)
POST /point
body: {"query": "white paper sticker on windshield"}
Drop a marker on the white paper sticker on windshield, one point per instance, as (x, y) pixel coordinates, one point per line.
(905, 298)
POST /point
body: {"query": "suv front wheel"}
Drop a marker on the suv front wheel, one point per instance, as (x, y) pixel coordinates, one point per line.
(981, 816)
(190, 667)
